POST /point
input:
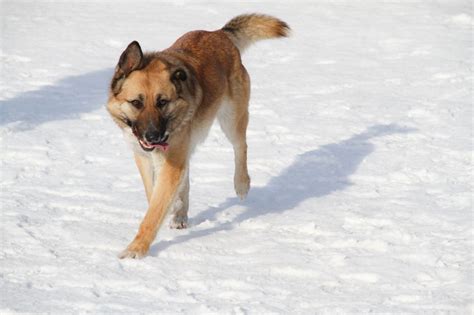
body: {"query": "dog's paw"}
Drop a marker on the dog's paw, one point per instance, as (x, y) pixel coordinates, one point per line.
(134, 251)
(179, 222)
(242, 185)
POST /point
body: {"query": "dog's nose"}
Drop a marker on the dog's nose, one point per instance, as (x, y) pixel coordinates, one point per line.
(155, 135)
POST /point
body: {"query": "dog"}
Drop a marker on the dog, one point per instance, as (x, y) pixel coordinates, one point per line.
(165, 103)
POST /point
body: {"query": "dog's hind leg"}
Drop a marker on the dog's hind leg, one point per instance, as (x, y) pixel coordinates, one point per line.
(233, 118)
(179, 219)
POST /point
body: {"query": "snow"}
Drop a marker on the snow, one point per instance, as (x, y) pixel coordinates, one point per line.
(360, 153)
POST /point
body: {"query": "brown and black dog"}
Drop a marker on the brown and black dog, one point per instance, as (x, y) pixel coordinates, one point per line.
(165, 102)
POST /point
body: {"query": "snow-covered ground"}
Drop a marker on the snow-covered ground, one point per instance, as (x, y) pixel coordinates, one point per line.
(360, 148)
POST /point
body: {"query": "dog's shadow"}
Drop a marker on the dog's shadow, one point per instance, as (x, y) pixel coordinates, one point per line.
(313, 174)
(66, 99)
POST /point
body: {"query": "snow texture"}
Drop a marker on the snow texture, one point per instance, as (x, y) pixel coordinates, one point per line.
(360, 153)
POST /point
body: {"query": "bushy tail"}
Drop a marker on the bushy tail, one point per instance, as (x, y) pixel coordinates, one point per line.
(245, 29)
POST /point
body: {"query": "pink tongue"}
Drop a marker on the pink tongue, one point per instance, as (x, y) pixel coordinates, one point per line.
(163, 147)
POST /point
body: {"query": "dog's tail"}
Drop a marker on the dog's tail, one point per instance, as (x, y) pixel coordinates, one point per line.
(245, 29)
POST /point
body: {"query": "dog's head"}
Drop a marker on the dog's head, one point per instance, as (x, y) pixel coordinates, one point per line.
(154, 95)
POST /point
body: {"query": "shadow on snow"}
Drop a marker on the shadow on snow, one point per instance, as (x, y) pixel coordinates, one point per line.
(66, 99)
(313, 174)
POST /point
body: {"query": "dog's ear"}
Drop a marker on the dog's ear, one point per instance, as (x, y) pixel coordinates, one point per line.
(179, 78)
(131, 58)
(186, 84)
(179, 75)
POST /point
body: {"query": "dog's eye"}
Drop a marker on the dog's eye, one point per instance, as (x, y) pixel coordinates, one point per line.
(162, 102)
(137, 104)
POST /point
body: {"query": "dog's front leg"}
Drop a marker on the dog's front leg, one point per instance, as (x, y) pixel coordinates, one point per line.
(164, 194)
(146, 169)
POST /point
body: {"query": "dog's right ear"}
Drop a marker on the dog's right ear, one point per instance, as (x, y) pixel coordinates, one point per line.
(130, 60)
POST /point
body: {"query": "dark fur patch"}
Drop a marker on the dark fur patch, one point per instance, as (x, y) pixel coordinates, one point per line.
(117, 81)
(229, 29)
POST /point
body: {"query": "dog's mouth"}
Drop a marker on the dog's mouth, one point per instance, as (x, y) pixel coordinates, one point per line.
(150, 146)
(147, 146)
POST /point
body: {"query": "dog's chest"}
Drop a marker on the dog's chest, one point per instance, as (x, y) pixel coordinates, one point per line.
(155, 158)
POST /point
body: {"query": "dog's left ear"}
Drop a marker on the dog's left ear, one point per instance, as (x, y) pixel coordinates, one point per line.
(187, 87)
(179, 75)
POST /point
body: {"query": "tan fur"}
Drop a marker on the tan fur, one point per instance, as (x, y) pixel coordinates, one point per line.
(199, 77)
(145, 167)
(245, 29)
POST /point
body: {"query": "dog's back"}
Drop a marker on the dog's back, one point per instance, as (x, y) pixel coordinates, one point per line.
(215, 55)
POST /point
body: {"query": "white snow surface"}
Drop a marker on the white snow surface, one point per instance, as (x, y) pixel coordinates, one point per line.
(360, 153)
